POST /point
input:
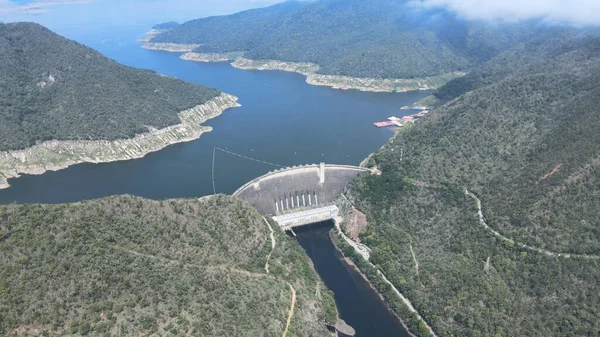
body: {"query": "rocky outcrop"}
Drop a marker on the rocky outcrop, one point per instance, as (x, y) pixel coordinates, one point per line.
(56, 155)
(296, 67)
(344, 328)
(382, 85)
(170, 47)
(211, 57)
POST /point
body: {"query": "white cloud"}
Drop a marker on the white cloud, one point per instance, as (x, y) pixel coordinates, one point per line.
(579, 12)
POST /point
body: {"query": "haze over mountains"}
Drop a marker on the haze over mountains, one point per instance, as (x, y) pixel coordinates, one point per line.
(373, 39)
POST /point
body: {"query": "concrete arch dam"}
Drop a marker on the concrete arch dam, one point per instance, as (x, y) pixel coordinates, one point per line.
(297, 196)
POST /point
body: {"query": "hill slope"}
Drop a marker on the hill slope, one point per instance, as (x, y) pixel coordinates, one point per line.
(527, 144)
(373, 39)
(54, 88)
(129, 266)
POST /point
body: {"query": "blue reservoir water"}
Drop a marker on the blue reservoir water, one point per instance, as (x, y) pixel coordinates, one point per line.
(282, 120)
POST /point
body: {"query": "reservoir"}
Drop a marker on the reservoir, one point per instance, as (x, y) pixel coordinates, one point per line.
(282, 120)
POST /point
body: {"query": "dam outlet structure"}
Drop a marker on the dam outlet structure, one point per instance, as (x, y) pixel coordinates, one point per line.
(299, 195)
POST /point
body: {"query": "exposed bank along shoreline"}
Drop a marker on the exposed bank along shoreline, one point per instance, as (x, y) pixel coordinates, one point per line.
(307, 69)
(56, 155)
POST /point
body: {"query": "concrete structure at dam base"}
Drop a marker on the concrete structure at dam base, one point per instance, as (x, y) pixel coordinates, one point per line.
(297, 219)
(299, 195)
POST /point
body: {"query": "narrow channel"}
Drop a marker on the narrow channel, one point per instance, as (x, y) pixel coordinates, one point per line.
(358, 304)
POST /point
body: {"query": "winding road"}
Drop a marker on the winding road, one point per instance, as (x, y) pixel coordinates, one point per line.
(293, 305)
(522, 245)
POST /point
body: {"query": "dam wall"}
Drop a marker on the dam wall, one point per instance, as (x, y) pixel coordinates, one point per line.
(296, 189)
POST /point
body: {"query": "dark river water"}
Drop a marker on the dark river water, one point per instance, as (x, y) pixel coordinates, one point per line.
(358, 304)
(282, 120)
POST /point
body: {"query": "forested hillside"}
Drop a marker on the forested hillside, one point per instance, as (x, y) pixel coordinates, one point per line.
(553, 41)
(377, 39)
(126, 266)
(528, 146)
(55, 88)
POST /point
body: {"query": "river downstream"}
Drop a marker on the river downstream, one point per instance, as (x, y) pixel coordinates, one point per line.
(358, 304)
(282, 121)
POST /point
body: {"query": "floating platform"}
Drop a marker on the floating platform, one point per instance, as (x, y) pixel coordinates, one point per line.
(384, 124)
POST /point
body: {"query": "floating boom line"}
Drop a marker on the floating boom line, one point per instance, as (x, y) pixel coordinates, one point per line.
(213, 171)
(237, 155)
(249, 158)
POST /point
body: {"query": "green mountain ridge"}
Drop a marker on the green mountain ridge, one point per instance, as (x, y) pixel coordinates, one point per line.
(368, 39)
(129, 266)
(525, 141)
(55, 88)
(554, 41)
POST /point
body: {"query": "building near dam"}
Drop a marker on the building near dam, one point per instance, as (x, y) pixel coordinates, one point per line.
(299, 195)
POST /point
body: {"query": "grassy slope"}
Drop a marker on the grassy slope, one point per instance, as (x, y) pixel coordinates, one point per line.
(131, 266)
(91, 97)
(498, 140)
(381, 39)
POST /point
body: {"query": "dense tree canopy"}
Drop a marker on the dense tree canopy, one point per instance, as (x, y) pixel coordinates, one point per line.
(528, 144)
(55, 88)
(380, 38)
(128, 266)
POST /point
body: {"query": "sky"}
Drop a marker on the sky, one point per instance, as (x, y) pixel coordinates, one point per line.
(63, 13)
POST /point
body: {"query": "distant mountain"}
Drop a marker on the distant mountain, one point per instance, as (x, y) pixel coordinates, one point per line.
(551, 42)
(166, 25)
(126, 266)
(379, 38)
(526, 142)
(55, 88)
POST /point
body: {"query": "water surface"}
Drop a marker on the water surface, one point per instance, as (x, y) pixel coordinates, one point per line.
(358, 304)
(282, 120)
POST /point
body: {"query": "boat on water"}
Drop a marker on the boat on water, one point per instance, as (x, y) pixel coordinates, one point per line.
(344, 88)
(336, 88)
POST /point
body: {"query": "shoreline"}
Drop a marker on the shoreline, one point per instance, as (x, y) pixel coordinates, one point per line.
(56, 155)
(353, 265)
(343, 203)
(309, 70)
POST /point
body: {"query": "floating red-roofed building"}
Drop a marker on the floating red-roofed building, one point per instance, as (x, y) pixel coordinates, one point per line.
(384, 124)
